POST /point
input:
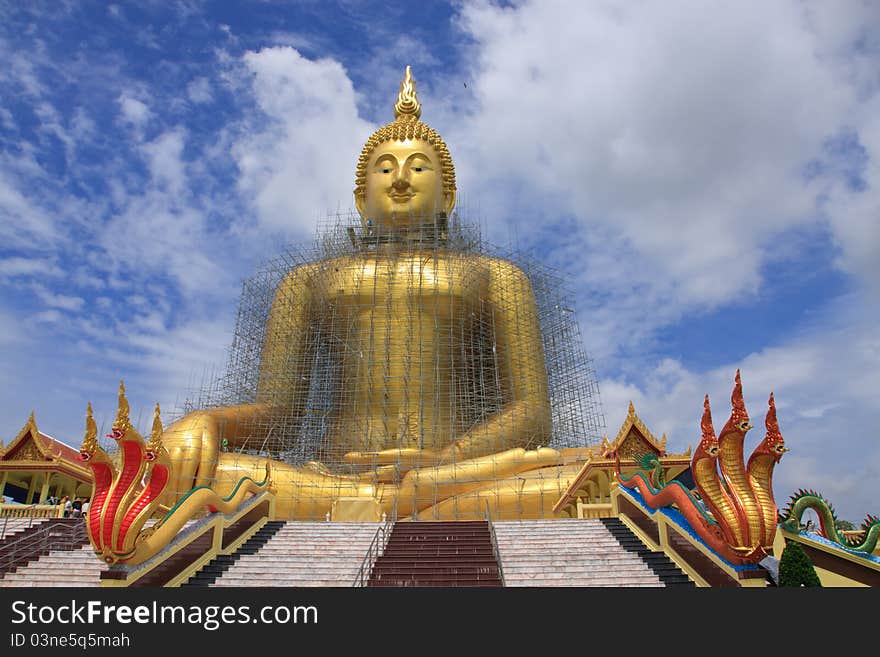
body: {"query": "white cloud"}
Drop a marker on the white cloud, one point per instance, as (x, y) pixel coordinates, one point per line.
(48, 316)
(16, 266)
(12, 328)
(683, 132)
(82, 124)
(62, 301)
(165, 163)
(167, 237)
(22, 221)
(855, 216)
(825, 385)
(199, 91)
(290, 167)
(133, 110)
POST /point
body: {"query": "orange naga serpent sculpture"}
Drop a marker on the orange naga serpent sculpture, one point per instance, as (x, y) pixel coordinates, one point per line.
(737, 514)
(123, 500)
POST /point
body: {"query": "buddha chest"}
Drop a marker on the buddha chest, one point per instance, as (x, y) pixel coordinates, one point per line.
(433, 284)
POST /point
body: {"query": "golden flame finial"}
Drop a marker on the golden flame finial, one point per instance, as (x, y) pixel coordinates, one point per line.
(739, 412)
(772, 424)
(91, 427)
(122, 421)
(706, 427)
(407, 104)
(156, 433)
(90, 439)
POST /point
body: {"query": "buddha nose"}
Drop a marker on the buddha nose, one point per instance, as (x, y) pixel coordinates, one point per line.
(401, 181)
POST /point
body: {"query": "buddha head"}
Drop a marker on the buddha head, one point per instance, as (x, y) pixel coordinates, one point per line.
(404, 174)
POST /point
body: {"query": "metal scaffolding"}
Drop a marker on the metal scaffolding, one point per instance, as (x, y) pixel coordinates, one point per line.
(372, 339)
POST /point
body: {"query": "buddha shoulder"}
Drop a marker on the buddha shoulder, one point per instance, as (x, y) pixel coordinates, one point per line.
(301, 279)
(505, 273)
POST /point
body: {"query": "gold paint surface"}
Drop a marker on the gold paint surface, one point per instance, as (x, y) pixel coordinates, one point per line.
(444, 387)
(706, 477)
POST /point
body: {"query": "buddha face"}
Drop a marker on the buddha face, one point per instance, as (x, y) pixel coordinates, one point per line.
(404, 185)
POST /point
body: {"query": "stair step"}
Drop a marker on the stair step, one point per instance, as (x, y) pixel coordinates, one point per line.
(296, 554)
(437, 554)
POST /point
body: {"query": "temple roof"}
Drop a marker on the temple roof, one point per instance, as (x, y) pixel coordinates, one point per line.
(633, 434)
(632, 442)
(32, 446)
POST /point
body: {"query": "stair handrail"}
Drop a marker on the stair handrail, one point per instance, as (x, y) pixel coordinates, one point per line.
(376, 549)
(40, 541)
(29, 516)
(494, 539)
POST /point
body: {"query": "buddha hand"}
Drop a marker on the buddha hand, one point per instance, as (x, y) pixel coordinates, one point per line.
(389, 464)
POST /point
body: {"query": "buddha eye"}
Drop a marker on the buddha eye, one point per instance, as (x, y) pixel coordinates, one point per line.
(417, 168)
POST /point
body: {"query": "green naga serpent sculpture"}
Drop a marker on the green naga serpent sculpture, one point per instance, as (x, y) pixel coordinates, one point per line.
(736, 513)
(810, 499)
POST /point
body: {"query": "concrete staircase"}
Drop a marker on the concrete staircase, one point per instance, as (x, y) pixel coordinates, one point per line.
(212, 571)
(59, 568)
(532, 553)
(437, 554)
(578, 553)
(13, 528)
(304, 554)
(54, 536)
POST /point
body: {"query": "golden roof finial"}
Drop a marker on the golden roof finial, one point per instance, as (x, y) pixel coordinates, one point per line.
(407, 104)
(122, 421)
(632, 409)
(31, 418)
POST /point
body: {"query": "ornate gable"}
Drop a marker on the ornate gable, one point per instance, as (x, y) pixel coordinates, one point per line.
(27, 445)
(634, 439)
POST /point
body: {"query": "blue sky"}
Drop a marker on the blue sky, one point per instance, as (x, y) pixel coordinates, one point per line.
(709, 174)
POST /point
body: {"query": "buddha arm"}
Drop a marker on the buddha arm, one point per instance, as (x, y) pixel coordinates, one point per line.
(284, 370)
(194, 441)
(519, 355)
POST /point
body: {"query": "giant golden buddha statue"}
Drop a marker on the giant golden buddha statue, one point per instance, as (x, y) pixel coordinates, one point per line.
(439, 405)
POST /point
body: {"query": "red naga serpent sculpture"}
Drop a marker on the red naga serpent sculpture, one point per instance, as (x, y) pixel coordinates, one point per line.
(124, 499)
(737, 515)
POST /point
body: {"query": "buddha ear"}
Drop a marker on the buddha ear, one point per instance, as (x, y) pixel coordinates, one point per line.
(449, 202)
(360, 202)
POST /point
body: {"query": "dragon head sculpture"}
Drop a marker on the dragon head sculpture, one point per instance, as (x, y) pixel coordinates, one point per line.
(736, 514)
